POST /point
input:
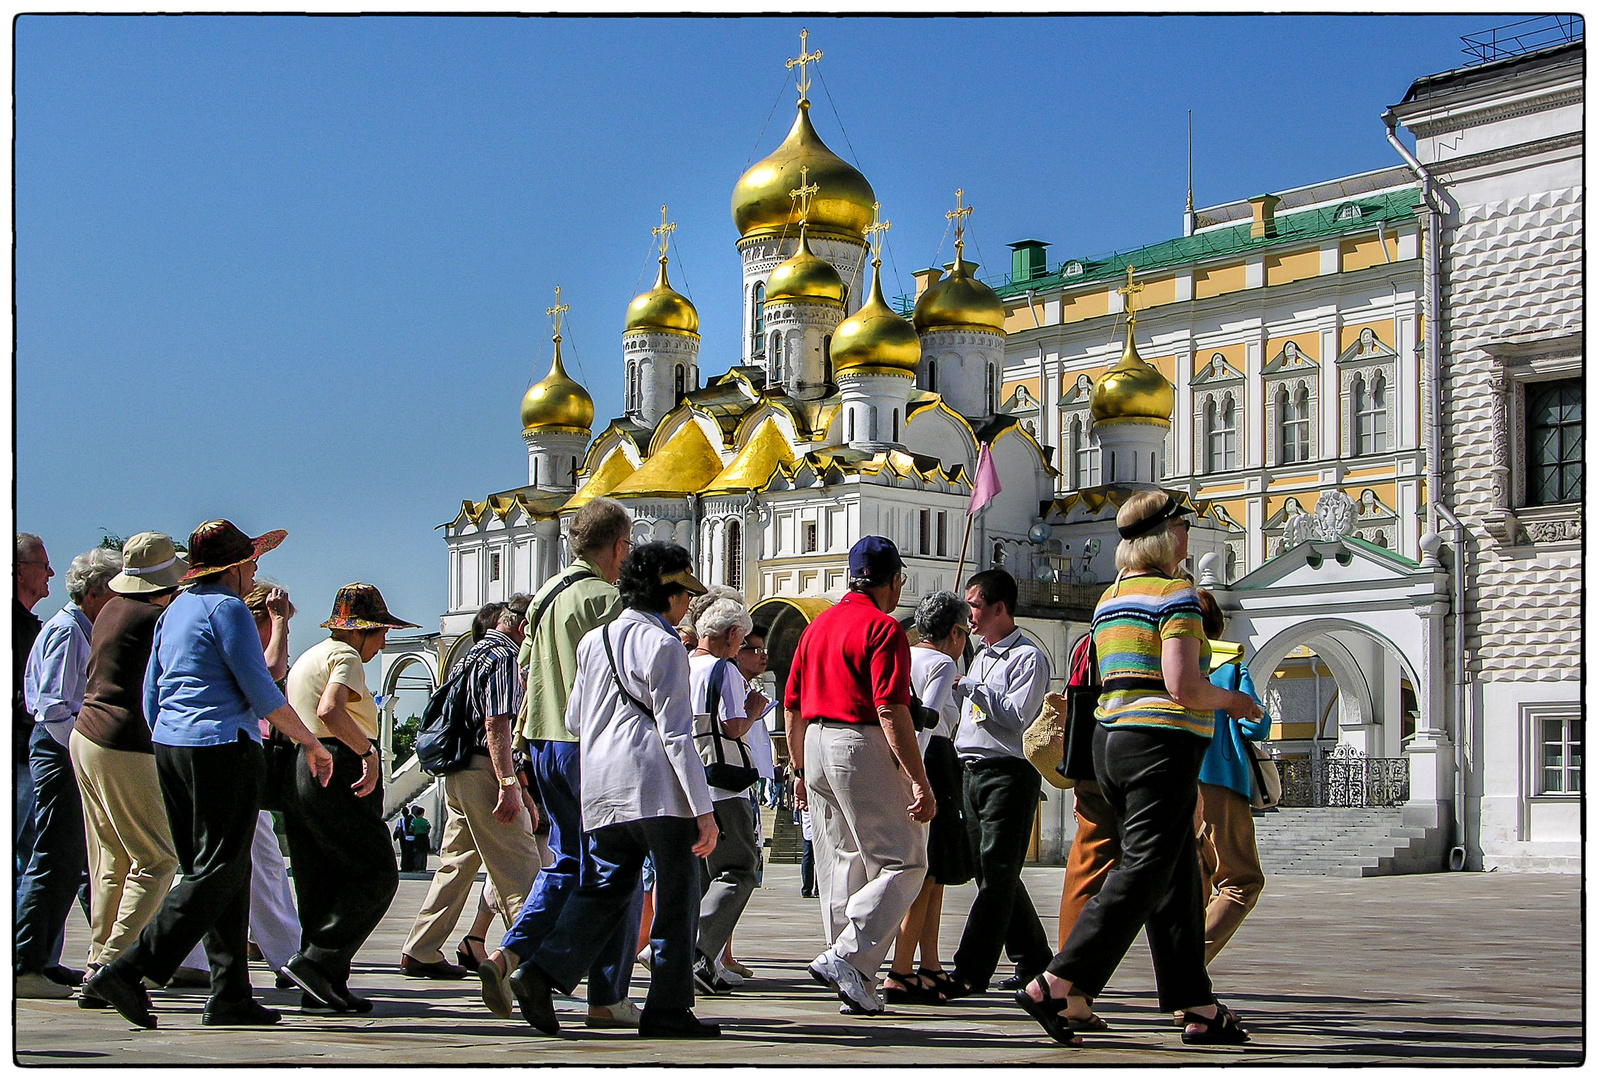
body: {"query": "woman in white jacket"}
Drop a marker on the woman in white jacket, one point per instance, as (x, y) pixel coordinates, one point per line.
(643, 793)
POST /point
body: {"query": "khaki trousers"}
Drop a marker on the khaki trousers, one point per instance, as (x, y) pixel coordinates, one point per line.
(131, 857)
(473, 839)
(1094, 852)
(1235, 872)
(871, 856)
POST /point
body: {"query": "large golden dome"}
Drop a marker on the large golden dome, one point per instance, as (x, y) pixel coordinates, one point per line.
(876, 340)
(663, 308)
(762, 206)
(557, 404)
(1132, 390)
(959, 302)
(805, 276)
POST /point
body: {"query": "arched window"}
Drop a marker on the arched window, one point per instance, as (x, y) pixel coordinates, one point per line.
(1082, 460)
(634, 380)
(1231, 564)
(929, 381)
(895, 425)
(1292, 411)
(993, 388)
(850, 416)
(1554, 427)
(679, 383)
(774, 357)
(871, 423)
(733, 554)
(826, 359)
(1370, 415)
(757, 321)
(1220, 423)
(535, 472)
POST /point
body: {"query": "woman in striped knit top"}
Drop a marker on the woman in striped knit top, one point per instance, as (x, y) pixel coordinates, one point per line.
(1156, 716)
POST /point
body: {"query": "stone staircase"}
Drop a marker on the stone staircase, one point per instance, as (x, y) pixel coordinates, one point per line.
(1346, 842)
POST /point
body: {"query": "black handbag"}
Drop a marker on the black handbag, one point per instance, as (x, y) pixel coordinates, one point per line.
(722, 773)
(1081, 705)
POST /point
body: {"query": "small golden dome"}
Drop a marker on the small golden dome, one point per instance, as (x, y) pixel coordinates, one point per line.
(1132, 390)
(805, 276)
(876, 340)
(762, 206)
(557, 404)
(663, 308)
(959, 302)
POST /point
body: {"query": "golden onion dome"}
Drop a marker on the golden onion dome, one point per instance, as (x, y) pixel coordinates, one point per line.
(557, 404)
(959, 302)
(663, 308)
(805, 276)
(1132, 390)
(876, 340)
(762, 205)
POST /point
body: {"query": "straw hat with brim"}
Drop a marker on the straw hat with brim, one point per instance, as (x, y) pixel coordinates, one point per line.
(150, 564)
(220, 545)
(361, 607)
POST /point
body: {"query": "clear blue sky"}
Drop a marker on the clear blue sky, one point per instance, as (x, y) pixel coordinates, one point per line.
(293, 271)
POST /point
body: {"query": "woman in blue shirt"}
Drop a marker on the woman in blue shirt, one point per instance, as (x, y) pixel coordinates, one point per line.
(1225, 782)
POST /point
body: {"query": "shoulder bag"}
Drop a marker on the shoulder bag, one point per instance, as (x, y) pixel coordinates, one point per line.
(447, 738)
(722, 773)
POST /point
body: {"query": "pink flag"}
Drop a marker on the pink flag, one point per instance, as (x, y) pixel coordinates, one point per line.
(986, 485)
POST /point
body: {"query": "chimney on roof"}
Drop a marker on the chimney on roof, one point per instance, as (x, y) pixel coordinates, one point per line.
(927, 278)
(1264, 216)
(1027, 260)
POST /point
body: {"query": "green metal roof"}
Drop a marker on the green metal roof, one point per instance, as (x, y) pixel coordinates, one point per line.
(1293, 229)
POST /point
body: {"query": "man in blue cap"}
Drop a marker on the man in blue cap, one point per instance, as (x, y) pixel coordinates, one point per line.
(859, 770)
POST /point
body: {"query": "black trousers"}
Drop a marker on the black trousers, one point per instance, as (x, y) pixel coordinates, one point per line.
(609, 882)
(213, 797)
(344, 870)
(1001, 801)
(1150, 779)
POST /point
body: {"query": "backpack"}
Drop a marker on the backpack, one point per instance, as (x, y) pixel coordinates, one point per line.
(448, 739)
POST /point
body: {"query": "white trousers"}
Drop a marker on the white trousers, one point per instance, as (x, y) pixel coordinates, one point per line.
(274, 921)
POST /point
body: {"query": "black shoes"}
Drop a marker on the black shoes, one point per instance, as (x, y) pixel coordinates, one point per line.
(246, 1013)
(413, 968)
(675, 1024)
(127, 998)
(309, 977)
(534, 999)
(64, 975)
(1017, 981)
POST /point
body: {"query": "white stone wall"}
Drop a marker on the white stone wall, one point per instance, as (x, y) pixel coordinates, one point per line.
(961, 359)
(656, 355)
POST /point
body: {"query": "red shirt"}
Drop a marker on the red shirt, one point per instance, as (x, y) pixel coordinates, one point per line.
(850, 660)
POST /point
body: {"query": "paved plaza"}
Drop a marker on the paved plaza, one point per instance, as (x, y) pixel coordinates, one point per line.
(1462, 969)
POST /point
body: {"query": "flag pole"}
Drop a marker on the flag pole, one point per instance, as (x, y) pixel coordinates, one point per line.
(959, 569)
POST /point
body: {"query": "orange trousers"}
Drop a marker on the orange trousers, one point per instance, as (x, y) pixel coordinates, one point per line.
(1094, 852)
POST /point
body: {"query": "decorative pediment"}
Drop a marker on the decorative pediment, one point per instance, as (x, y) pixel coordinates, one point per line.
(1021, 401)
(1079, 394)
(1290, 360)
(1367, 349)
(1218, 370)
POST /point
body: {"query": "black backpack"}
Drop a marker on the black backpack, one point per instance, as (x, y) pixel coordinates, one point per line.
(448, 738)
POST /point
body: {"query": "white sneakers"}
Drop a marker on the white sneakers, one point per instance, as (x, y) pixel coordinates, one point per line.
(623, 1014)
(857, 992)
(646, 957)
(729, 976)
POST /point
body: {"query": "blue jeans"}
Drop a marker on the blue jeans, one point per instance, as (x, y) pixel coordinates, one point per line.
(59, 860)
(607, 900)
(557, 779)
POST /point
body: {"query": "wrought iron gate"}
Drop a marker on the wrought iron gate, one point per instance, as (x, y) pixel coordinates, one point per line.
(1344, 777)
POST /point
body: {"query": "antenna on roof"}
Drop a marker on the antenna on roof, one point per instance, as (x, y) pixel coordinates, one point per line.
(1188, 221)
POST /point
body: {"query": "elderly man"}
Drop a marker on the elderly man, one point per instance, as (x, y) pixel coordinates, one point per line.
(32, 585)
(999, 697)
(859, 770)
(573, 602)
(486, 824)
(54, 682)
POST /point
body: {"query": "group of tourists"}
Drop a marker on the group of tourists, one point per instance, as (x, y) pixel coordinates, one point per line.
(621, 712)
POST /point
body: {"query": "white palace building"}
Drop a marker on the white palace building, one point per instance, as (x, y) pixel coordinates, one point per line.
(1299, 345)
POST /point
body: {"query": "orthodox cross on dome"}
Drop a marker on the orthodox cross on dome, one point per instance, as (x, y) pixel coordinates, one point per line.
(663, 230)
(801, 61)
(557, 311)
(1130, 291)
(802, 194)
(874, 232)
(958, 216)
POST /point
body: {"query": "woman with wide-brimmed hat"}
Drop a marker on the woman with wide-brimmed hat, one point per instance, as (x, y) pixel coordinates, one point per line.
(344, 872)
(206, 688)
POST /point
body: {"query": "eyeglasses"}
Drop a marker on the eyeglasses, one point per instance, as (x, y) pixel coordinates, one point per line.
(754, 649)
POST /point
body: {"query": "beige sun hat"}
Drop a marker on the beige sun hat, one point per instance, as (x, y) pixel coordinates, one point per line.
(150, 564)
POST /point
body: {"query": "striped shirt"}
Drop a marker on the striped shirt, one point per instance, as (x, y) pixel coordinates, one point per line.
(1133, 620)
(496, 686)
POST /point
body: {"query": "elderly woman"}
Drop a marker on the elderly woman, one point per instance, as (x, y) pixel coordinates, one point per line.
(1156, 716)
(643, 792)
(942, 625)
(206, 689)
(721, 697)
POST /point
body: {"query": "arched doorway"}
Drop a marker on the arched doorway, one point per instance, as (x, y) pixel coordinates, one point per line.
(408, 683)
(785, 619)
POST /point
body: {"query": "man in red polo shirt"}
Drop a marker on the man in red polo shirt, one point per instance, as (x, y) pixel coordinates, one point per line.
(860, 772)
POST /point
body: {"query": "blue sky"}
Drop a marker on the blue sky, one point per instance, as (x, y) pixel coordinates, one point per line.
(293, 271)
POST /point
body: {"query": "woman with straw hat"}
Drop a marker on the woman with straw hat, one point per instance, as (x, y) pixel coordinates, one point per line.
(206, 687)
(344, 872)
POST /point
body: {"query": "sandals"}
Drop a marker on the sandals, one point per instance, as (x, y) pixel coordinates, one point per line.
(941, 981)
(1050, 1013)
(465, 956)
(1222, 1029)
(910, 991)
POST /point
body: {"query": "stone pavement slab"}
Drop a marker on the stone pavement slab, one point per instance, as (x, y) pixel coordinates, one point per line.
(1462, 969)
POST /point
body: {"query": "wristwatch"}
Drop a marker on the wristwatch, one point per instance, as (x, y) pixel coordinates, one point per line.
(371, 748)
(507, 781)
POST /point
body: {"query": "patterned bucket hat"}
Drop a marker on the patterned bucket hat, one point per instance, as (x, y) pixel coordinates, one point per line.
(218, 545)
(360, 607)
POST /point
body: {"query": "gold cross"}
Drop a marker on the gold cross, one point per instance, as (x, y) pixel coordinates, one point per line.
(958, 216)
(1130, 291)
(664, 230)
(803, 193)
(557, 311)
(802, 60)
(875, 230)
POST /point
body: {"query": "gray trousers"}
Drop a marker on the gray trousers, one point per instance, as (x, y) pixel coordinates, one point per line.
(727, 877)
